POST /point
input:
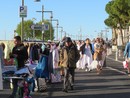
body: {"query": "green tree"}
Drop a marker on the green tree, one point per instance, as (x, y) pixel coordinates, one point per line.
(121, 8)
(28, 32)
(111, 21)
(47, 35)
(119, 14)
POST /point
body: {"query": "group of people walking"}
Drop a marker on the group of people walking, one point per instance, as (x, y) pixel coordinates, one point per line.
(66, 55)
(92, 54)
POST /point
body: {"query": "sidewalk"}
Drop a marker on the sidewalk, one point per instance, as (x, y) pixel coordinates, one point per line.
(113, 56)
(114, 64)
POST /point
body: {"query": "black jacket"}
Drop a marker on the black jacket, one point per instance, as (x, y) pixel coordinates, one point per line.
(22, 55)
(82, 48)
(45, 52)
(34, 53)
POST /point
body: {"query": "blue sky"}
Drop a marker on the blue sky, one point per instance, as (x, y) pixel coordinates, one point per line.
(89, 15)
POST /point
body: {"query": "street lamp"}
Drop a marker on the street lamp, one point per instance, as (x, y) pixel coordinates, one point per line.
(56, 26)
(61, 30)
(67, 34)
(42, 11)
(14, 33)
(107, 30)
(33, 19)
(43, 20)
(101, 34)
(50, 22)
(22, 23)
(64, 33)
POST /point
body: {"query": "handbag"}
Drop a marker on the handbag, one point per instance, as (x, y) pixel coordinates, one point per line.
(93, 65)
(56, 77)
(41, 85)
(39, 71)
(125, 64)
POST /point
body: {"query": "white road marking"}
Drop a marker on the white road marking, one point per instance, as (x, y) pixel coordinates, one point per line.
(114, 59)
(114, 69)
(122, 72)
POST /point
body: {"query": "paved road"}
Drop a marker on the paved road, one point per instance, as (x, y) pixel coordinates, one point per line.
(111, 83)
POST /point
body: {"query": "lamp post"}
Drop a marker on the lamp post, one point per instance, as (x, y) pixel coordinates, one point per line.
(50, 22)
(22, 24)
(101, 34)
(14, 33)
(56, 27)
(42, 11)
(51, 26)
(64, 33)
(61, 30)
(33, 29)
(67, 34)
(43, 20)
(107, 30)
(105, 35)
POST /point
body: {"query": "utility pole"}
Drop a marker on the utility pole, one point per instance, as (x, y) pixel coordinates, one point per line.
(34, 29)
(80, 35)
(56, 27)
(22, 25)
(61, 31)
(50, 23)
(51, 27)
(107, 30)
(42, 20)
(65, 34)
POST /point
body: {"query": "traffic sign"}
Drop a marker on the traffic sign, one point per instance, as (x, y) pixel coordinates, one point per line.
(36, 27)
(23, 11)
(40, 27)
(46, 27)
(32, 27)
